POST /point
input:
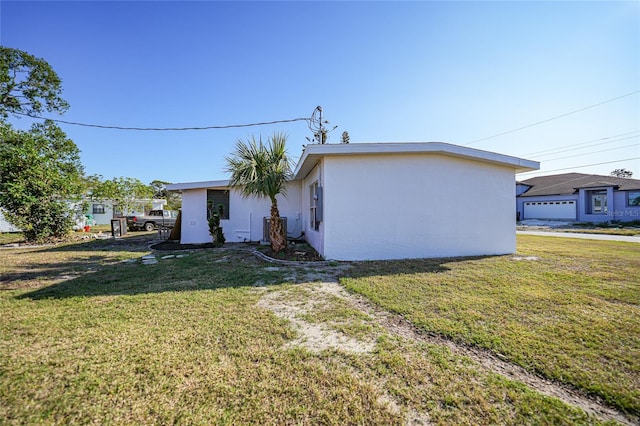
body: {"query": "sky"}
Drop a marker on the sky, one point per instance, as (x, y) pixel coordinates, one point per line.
(566, 73)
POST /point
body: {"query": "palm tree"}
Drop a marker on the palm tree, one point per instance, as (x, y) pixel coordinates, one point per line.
(261, 170)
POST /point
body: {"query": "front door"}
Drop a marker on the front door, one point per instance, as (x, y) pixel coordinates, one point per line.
(599, 203)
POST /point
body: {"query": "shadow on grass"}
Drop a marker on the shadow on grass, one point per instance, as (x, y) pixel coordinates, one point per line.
(95, 273)
(407, 266)
(207, 270)
(130, 242)
(26, 266)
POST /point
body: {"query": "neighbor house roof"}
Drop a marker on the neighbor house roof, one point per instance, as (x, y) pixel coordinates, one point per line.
(570, 183)
(313, 153)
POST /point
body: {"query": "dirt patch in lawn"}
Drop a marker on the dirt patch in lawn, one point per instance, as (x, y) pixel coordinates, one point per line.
(303, 305)
(299, 304)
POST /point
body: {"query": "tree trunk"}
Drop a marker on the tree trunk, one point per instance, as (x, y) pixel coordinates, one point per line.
(277, 233)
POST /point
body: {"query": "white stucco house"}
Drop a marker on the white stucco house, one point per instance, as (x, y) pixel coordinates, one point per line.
(371, 201)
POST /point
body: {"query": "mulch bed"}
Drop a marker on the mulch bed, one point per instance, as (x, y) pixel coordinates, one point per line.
(296, 252)
(299, 252)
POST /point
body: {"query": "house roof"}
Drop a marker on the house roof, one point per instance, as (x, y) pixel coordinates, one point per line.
(313, 153)
(210, 184)
(570, 183)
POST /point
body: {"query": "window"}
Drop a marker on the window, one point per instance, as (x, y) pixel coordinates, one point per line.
(315, 206)
(634, 199)
(98, 209)
(218, 199)
(598, 202)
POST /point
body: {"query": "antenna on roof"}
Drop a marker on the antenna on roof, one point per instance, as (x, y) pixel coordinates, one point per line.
(316, 125)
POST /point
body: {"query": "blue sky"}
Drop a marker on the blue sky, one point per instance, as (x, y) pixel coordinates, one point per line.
(448, 71)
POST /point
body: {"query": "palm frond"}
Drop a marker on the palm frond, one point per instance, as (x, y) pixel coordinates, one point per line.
(259, 169)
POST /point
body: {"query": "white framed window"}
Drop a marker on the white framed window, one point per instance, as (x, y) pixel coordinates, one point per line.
(98, 209)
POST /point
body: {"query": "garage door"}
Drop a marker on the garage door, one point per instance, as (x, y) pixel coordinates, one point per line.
(550, 210)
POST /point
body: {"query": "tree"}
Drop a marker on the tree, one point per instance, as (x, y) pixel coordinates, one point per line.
(125, 192)
(40, 175)
(28, 85)
(174, 199)
(345, 137)
(622, 173)
(261, 170)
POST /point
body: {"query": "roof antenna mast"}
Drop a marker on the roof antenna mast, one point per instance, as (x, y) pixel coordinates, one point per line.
(323, 135)
(316, 125)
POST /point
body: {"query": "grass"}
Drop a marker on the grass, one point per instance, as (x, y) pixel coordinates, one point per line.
(11, 238)
(630, 232)
(90, 335)
(571, 315)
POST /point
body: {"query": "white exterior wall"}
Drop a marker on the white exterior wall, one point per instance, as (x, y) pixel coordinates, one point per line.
(416, 205)
(194, 228)
(246, 215)
(313, 237)
(101, 218)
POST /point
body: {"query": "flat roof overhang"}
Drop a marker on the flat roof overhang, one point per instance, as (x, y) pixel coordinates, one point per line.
(313, 153)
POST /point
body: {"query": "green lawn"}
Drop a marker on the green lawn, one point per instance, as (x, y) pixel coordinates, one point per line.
(90, 335)
(11, 237)
(571, 313)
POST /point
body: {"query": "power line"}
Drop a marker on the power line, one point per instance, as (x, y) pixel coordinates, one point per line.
(593, 152)
(543, 152)
(588, 146)
(580, 167)
(552, 118)
(229, 126)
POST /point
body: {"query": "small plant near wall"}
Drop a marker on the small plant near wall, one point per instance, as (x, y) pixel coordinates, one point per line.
(215, 229)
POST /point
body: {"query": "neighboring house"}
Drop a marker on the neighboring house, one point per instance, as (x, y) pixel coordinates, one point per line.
(104, 210)
(101, 213)
(579, 197)
(377, 201)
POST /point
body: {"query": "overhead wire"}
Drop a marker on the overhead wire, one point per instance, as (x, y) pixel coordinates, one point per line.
(229, 126)
(580, 143)
(586, 146)
(551, 119)
(592, 152)
(579, 167)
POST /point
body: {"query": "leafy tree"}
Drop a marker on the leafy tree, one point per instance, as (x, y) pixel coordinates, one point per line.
(40, 175)
(28, 85)
(622, 173)
(174, 199)
(261, 170)
(126, 192)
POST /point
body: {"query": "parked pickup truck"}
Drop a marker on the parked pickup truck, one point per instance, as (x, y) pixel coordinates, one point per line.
(154, 219)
